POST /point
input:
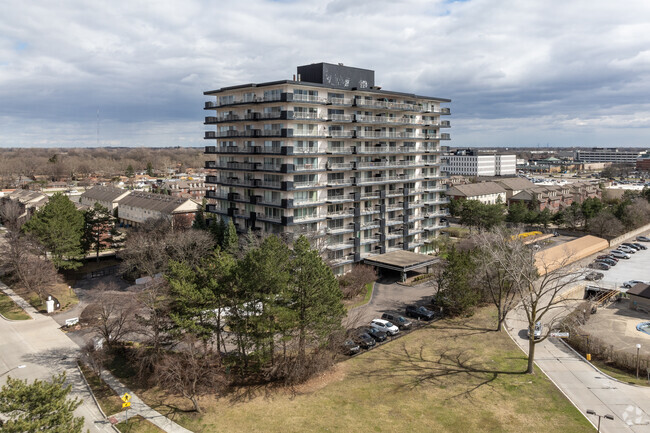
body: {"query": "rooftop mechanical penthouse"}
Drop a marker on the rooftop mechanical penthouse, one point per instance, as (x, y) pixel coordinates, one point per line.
(329, 154)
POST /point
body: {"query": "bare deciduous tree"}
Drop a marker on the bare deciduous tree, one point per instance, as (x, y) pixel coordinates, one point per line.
(539, 281)
(191, 373)
(111, 315)
(496, 247)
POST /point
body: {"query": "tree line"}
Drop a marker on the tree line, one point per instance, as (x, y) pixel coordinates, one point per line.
(603, 217)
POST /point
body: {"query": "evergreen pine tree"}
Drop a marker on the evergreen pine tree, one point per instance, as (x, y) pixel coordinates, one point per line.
(39, 406)
(59, 226)
(98, 232)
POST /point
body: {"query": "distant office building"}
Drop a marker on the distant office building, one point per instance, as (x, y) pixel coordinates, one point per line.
(330, 155)
(609, 154)
(468, 162)
(643, 164)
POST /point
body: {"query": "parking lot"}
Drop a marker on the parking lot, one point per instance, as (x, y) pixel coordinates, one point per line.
(635, 268)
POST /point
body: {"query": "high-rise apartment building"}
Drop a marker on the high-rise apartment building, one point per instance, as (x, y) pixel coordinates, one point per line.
(332, 156)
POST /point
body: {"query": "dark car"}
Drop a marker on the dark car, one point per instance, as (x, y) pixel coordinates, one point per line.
(640, 246)
(594, 276)
(631, 245)
(599, 265)
(643, 239)
(608, 262)
(349, 347)
(400, 321)
(419, 312)
(608, 256)
(375, 333)
(364, 340)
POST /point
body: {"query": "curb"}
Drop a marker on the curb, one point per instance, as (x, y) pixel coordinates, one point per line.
(549, 378)
(372, 296)
(598, 370)
(83, 377)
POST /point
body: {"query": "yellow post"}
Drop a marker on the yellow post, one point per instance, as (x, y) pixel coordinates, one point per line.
(588, 356)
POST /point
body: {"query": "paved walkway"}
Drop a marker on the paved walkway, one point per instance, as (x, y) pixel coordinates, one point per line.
(41, 345)
(584, 385)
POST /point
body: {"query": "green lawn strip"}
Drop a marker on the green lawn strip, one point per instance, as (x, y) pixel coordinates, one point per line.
(622, 375)
(10, 310)
(137, 424)
(454, 376)
(366, 298)
(108, 400)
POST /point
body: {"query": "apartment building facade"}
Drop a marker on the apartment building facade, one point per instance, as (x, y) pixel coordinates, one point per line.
(330, 155)
(468, 162)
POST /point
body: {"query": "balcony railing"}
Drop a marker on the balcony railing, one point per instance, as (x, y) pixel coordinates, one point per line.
(299, 115)
(309, 184)
(340, 117)
(308, 98)
(340, 101)
(312, 149)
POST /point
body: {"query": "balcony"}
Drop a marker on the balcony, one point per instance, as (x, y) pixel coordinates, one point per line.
(341, 260)
(340, 101)
(339, 198)
(338, 165)
(309, 184)
(300, 115)
(307, 218)
(339, 150)
(369, 225)
(268, 217)
(340, 134)
(346, 213)
(305, 167)
(309, 98)
(394, 221)
(340, 230)
(340, 246)
(307, 150)
(340, 117)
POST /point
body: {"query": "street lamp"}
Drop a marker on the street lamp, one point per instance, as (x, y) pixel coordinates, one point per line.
(638, 347)
(11, 369)
(593, 412)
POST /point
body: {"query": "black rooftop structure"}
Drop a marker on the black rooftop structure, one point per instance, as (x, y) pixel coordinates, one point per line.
(344, 77)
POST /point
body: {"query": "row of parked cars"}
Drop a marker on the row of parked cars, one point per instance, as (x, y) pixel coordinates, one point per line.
(606, 261)
(390, 324)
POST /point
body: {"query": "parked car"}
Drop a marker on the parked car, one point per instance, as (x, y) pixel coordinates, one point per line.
(349, 347)
(626, 249)
(631, 245)
(364, 340)
(594, 276)
(537, 333)
(640, 246)
(385, 325)
(643, 238)
(375, 333)
(599, 265)
(400, 321)
(608, 262)
(607, 256)
(419, 312)
(631, 283)
(619, 254)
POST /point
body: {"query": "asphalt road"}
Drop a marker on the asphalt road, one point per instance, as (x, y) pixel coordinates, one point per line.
(45, 350)
(585, 386)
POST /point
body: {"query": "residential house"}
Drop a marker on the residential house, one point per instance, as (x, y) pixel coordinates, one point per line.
(107, 196)
(137, 207)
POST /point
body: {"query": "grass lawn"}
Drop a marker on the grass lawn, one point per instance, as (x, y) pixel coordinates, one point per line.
(137, 424)
(60, 291)
(108, 400)
(10, 309)
(622, 375)
(366, 296)
(454, 376)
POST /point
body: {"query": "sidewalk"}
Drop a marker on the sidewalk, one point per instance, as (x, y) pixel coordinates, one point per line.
(138, 407)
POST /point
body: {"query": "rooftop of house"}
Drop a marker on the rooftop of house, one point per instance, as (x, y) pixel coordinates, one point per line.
(475, 189)
(104, 193)
(162, 203)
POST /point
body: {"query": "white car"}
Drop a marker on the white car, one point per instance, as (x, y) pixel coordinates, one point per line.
(626, 249)
(385, 326)
(629, 284)
(619, 254)
(537, 333)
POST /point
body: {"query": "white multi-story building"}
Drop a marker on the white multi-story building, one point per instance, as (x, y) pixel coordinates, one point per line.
(469, 162)
(332, 156)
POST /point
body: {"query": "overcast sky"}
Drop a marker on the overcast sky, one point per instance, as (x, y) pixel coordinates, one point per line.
(519, 73)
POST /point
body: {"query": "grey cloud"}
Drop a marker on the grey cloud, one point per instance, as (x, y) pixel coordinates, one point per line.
(576, 65)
